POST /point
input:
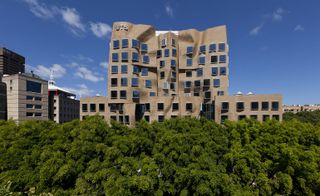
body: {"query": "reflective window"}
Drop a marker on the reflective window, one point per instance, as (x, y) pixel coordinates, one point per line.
(202, 60)
(214, 71)
(214, 59)
(188, 73)
(187, 84)
(34, 86)
(189, 50)
(173, 42)
(135, 44)
(115, 57)
(163, 42)
(125, 43)
(135, 57)
(222, 47)
(223, 71)
(136, 69)
(240, 106)
(152, 94)
(189, 61)
(162, 75)
(148, 83)
(197, 83)
(145, 59)
(124, 69)
(162, 64)
(220, 93)
(216, 83)
(134, 82)
(116, 44)
(124, 56)
(199, 72)
(174, 52)
(173, 74)
(222, 59)
(144, 48)
(144, 71)
(123, 94)
(212, 48)
(275, 106)
(135, 94)
(166, 52)
(159, 53)
(202, 49)
(173, 63)
(114, 69)
(124, 81)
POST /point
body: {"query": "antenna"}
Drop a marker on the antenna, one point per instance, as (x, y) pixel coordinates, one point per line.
(51, 80)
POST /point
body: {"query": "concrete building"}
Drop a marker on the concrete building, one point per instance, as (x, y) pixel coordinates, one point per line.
(27, 97)
(163, 74)
(3, 100)
(300, 108)
(11, 62)
(63, 107)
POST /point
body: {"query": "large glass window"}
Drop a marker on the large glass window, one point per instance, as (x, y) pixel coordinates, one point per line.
(145, 59)
(135, 82)
(136, 69)
(114, 69)
(189, 50)
(275, 106)
(125, 43)
(223, 71)
(222, 59)
(124, 81)
(84, 107)
(124, 56)
(202, 60)
(214, 59)
(202, 49)
(92, 107)
(189, 61)
(115, 57)
(135, 57)
(123, 94)
(144, 48)
(144, 71)
(114, 82)
(135, 94)
(135, 44)
(216, 83)
(35, 87)
(166, 52)
(148, 84)
(173, 74)
(116, 44)
(214, 71)
(240, 106)
(212, 48)
(199, 72)
(124, 69)
(222, 47)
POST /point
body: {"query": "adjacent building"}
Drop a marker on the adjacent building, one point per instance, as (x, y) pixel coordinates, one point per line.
(300, 108)
(63, 107)
(27, 97)
(11, 62)
(155, 75)
(3, 100)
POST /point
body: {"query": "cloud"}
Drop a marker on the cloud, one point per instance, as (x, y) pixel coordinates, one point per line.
(81, 90)
(45, 72)
(278, 14)
(256, 30)
(100, 29)
(73, 19)
(40, 10)
(299, 28)
(169, 10)
(104, 65)
(87, 74)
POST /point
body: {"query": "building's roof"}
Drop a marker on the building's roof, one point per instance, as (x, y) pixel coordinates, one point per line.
(164, 32)
(52, 87)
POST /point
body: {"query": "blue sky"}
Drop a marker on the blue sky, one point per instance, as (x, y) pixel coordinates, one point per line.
(274, 44)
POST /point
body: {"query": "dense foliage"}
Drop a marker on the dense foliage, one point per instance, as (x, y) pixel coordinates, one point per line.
(304, 116)
(177, 157)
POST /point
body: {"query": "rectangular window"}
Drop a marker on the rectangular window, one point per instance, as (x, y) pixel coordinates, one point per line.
(124, 81)
(148, 84)
(166, 52)
(189, 73)
(207, 95)
(163, 42)
(222, 59)
(224, 118)
(241, 117)
(275, 106)
(134, 82)
(212, 48)
(101, 107)
(135, 94)
(29, 97)
(162, 64)
(254, 106)
(135, 44)
(202, 49)
(136, 69)
(124, 56)
(159, 53)
(124, 69)
(135, 57)
(202, 60)
(29, 106)
(255, 117)
(174, 52)
(173, 63)
(197, 83)
(175, 107)
(216, 83)
(189, 61)
(92, 107)
(115, 57)
(144, 48)
(114, 94)
(147, 118)
(189, 107)
(113, 107)
(223, 71)
(152, 94)
(29, 114)
(265, 105)
(114, 82)
(125, 43)
(162, 75)
(144, 71)
(214, 59)
(37, 98)
(160, 118)
(206, 83)
(114, 69)
(173, 42)
(240, 106)
(84, 107)
(199, 72)
(34, 86)
(187, 84)
(123, 94)
(276, 117)
(265, 117)
(222, 47)
(174, 75)
(160, 106)
(146, 59)
(224, 107)
(116, 44)
(220, 93)
(189, 50)
(214, 71)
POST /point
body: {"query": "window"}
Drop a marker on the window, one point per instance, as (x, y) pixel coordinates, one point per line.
(123, 94)
(202, 49)
(29, 106)
(173, 86)
(220, 93)
(223, 71)
(37, 114)
(148, 83)
(29, 114)
(162, 64)
(175, 107)
(173, 63)
(216, 83)
(113, 107)
(136, 69)
(199, 72)
(126, 119)
(224, 118)
(114, 69)
(84, 107)
(222, 59)
(114, 94)
(144, 71)
(265, 117)
(189, 61)
(160, 106)
(159, 53)
(189, 50)
(174, 52)
(173, 42)
(162, 75)
(202, 60)
(276, 117)
(101, 107)
(144, 48)
(197, 83)
(212, 48)
(29, 98)
(189, 73)
(206, 82)
(214, 59)
(187, 84)
(174, 75)
(113, 118)
(196, 92)
(240, 106)
(222, 47)
(145, 59)
(161, 118)
(135, 44)
(214, 71)
(114, 82)
(135, 57)
(265, 105)
(34, 86)
(207, 95)
(241, 117)
(166, 52)
(115, 57)
(163, 42)
(224, 107)
(124, 56)
(147, 118)
(135, 94)
(124, 69)
(255, 117)
(147, 107)
(124, 81)
(189, 107)
(125, 43)
(134, 82)
(116, 44)
(92, 107)
(254, 106)
(152, 94)
(275, 106)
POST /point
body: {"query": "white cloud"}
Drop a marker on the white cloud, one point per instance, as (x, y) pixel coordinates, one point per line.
(81, 90)
(299, 28)
(100, 29)
(256, 30)
(45, 72)
(40, 10)
(73, 19)
(87, 74)
(104, 65)
(278, 14)
(169, 10)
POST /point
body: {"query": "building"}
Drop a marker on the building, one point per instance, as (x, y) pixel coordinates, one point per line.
(27, 97)
(94, 105)
(164, 74)
(300, 108)
(63, 107)
(11, 62)
(3, 100)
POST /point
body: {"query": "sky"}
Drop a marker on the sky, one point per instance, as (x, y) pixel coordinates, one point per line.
(274, 45)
